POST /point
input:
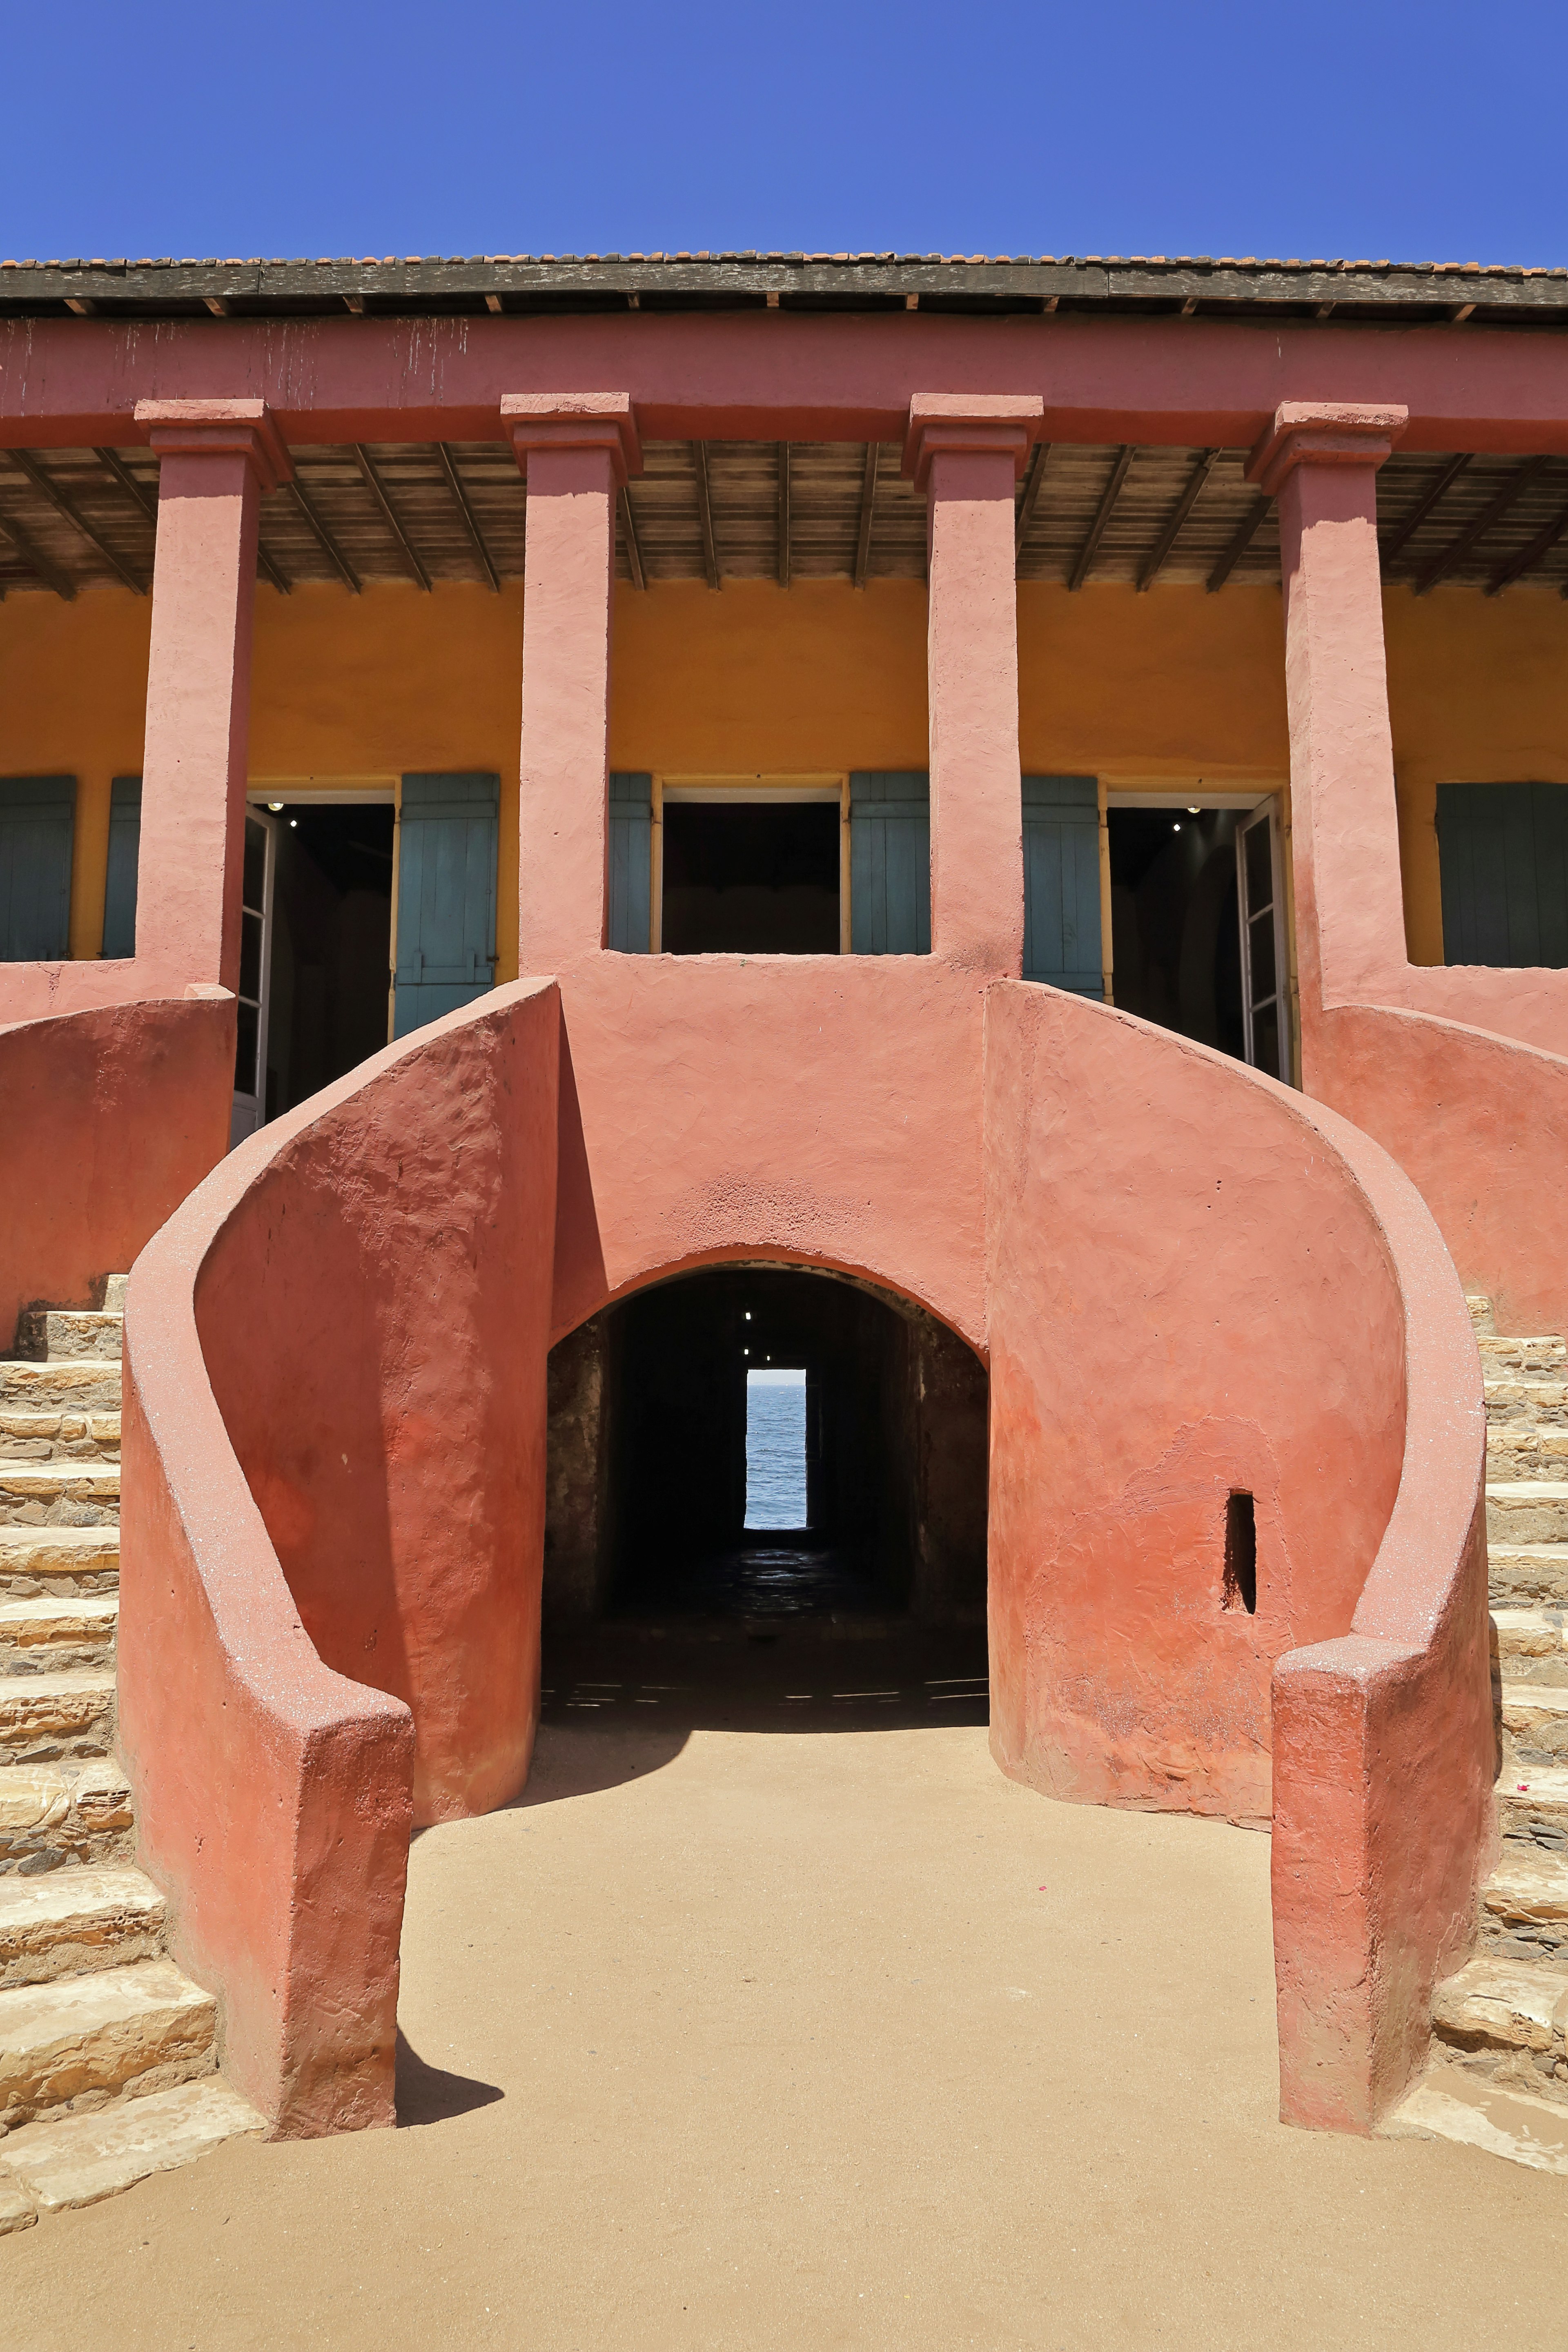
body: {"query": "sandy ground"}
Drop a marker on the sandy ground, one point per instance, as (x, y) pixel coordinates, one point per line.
(739, 2036)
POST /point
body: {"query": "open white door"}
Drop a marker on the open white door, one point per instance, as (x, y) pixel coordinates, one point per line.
(1265, 958)
(254, 975)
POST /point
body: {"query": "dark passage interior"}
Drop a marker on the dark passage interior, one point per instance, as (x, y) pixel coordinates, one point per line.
(331, 932)
(1175, 923)
(740, 879)
(647, 1496)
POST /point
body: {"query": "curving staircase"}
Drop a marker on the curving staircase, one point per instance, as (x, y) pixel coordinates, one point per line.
(107, 2051)
(1498, 2077)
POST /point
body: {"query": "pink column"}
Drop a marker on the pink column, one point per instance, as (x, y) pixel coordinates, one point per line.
(216, 458)
(967, 452)
(576, 451)
(1321, 463)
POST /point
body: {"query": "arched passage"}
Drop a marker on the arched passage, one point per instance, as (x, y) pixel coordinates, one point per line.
(646, 1510)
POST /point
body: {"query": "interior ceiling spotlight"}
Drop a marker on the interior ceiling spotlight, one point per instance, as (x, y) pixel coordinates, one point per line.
(1175, 828)
(293, 820)
(275, 807)
(1191, 812)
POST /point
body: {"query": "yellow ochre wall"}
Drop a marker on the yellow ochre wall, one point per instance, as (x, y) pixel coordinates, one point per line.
(1175, 685)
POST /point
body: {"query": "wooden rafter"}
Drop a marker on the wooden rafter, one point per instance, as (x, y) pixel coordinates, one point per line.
(1529, 557)
(146, 498)
(328, 544)
(37, 561)
(629, 537)
(705, 513)
(868, 503)
(73, 515)
(784, 514)
(1108, 498)
(1031, 498)
(465, 506)
(1458, 548)
(1419, 513)
(1241, 540)
(378, 491)
(1203, 467)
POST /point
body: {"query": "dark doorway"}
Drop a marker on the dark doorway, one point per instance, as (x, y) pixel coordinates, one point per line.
(751, 879)
(331, 931)
(647, 1512)
(1174, 924)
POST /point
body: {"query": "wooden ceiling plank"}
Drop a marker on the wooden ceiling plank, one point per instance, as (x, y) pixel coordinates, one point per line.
(1031, 498)
(329, 545)
(271, 570)
(784, 551)
(377, 489)
(629, 535)
(1203, 467)
(37, 561)
(1241, 540)
(1529, 557)
(1420, 512)
(464, 507)
(705, 513)
(1108, 498)
(867, 503)
(145, 495)
(57, 498)
(1458, 548)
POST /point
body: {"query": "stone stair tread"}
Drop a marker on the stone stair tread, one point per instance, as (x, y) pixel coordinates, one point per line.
(62, 1616)
(1540, 1698)
(77, 1919)
(1450, 2104)
(34, 1798)
(69, 2160)
(1542, 1787)
(97, 2032)
(67, 1701)
(1527, 1885)
(1508, 2004)
(61, 1551)
(41, 1478)
(1533, 1490)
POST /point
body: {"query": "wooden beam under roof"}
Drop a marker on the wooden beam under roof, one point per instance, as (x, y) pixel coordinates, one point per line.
(868, 503)
(783, 515)
(1031, 498)
(705, 513)
(1529, 557)
(37, 563)
(465, 506)
(329, 545)
(1420, 512)
(1203, 467)
(378, 491)
(66, 505)
(146, 497)
(629, 535)
(1458, 548)
(1108, 498)
(1241, 540)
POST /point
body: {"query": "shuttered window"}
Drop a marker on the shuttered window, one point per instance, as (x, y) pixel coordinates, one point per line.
(1503, 858)
(889, 863)
(631, 852)
(119, 885)
(38, 821)
(448, 828)
(1061, 883)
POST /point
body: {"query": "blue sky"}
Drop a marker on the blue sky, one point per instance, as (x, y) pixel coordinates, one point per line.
(1373, 130)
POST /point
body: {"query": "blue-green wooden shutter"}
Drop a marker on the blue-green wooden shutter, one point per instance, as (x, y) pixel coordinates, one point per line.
(1502, 855)
(889, 863)
(38, 821)
(1061, 883)
(124, 848)
(631, 856)
(448, 828)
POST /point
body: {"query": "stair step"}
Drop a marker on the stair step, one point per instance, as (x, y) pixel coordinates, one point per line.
(87, 2036)
(1536, 1359)
(53, 1815)
(55, 1333)
(42, 1715)
(69, 1922)
(63, 1629)
(1450, 2104)
(43, 1436)
(1525, 1450)
(1523, 1574)
(1480, 1309)
(1524, 1905)
(1526, 1511)
(1533, 1804)
(72, 2161)
(52, 1560)
(1533, 1644)
(54, 1482)
(114, 1290)
(1535, 1715)
(83, 1384)
(1504, 2004)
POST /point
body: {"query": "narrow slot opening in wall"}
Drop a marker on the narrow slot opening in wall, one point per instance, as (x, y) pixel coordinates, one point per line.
(775, 1450)
(1241, 1554)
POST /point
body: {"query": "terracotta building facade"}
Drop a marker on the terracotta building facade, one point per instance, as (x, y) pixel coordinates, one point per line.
(1028, 795)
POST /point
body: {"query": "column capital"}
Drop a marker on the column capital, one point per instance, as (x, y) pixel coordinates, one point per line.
(574, 420)
(219, 428)
(1321, 433)
(970, 424)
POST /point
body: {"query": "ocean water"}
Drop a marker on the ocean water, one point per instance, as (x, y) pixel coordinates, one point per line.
(776, 1451)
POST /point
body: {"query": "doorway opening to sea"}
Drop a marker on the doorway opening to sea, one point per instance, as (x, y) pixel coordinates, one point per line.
(776, 1449)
